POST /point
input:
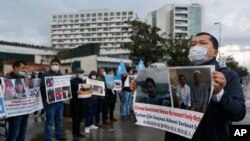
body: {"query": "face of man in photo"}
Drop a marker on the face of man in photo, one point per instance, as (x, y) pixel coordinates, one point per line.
(182, 81)
(19, 87)
(197, 78)
(150, 88)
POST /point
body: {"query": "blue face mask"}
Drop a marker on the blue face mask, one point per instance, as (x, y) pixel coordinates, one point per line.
(22, 73)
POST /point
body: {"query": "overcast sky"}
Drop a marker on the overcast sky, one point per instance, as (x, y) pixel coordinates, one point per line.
(28, 21)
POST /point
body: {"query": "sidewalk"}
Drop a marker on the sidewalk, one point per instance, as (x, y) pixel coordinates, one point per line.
(122, 130)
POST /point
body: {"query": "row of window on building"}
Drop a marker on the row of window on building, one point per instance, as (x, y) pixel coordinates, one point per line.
(67, 21)
(118, 39)
(105, 46)
(109, 24)
(82, 15)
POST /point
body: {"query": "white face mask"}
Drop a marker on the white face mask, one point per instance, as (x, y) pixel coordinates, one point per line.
(104, 73)
(198, 55)
(81, 75)
(55, 68)
(93, 77)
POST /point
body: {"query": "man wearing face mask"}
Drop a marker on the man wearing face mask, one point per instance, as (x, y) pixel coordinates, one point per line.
(54, 111)
(17, 124)
(79, 106)
(227, 103)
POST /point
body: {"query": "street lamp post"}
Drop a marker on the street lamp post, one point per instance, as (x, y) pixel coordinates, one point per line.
(222, 59)
(219, 23)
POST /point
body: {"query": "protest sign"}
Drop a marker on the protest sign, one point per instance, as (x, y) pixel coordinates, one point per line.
(98, 87)
(2, 109)
(86, 90)
(117, 85)
(20, 96)
(164, 102)
(58, 88)
(109, 79)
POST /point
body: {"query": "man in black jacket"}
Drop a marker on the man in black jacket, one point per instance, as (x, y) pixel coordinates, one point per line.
(227, 103)
(17, 124)
(53, 111)
(79, 106)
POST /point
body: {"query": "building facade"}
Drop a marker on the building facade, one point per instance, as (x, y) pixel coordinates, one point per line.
(177, 19)
(39, 58)
(104, 26)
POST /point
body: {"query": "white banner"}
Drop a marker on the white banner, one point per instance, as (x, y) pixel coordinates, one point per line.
(20, 96)
(86, 90)
(98, 87)
(173, 99)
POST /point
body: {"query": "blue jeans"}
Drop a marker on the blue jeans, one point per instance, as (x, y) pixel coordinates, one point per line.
(125, 103)
(17, 128)
(54, 112)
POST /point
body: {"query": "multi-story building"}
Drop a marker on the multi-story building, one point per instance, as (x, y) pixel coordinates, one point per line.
(177, 19)
(102, 26)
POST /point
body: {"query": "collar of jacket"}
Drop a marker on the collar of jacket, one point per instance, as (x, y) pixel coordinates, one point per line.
(12, 75)
(54, 73)
(213, 62)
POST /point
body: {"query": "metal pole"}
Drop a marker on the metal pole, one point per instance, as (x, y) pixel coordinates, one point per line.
(219, 23)
(219, 34)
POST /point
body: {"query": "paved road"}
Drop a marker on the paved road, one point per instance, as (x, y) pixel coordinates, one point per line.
(122, 130)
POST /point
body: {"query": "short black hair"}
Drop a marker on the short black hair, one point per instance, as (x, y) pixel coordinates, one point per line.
(55, 60)
(18, 63)
(110, 70)
(212, 39)
(150, 80)
(181, 75)
(128, 69)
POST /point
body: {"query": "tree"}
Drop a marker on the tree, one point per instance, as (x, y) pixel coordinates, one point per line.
(178, 49)
(234, 65)
(146, 43)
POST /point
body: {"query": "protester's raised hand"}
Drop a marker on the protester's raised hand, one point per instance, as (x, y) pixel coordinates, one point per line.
(219, 81)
